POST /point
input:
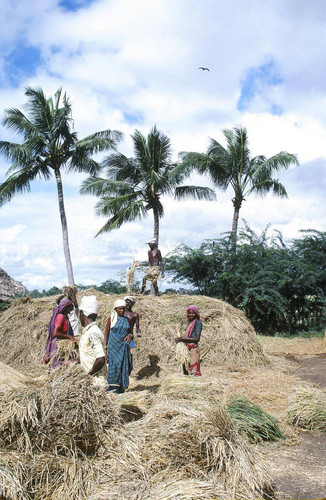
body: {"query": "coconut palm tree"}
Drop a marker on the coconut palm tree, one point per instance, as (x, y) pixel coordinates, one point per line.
(233, 166)
(135, 186)
(49, 146)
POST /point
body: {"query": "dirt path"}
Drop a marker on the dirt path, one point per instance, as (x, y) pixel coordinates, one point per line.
(300, 471)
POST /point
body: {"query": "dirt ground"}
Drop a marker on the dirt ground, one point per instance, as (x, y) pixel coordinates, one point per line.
(299, 471)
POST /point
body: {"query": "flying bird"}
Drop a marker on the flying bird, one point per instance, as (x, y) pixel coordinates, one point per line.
(204, 69)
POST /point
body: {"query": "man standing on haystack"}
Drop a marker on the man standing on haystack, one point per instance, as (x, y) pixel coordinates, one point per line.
(91, 344)
(156, 266)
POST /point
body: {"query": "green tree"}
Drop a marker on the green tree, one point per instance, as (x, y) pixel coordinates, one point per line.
(233, 166)
(50, 146)
(134, 186)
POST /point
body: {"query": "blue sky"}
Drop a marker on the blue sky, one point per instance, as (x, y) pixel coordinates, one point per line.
(127, 64)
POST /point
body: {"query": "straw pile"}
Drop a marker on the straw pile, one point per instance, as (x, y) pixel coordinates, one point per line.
(45, 477)
(228, 339)
(177, 440)
(308, 409)
(63, 414)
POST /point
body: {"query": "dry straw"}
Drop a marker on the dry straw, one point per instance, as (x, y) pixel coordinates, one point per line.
(46, 476)
(175, 437)
(64, 414)
(182, 356)
(308, 409)
(228, 339)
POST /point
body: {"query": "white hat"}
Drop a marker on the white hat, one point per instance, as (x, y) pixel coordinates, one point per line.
(153, 240)
(89, 305)
(130, 298)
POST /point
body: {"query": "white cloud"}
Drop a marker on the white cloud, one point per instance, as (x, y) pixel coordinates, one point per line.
(128, 65)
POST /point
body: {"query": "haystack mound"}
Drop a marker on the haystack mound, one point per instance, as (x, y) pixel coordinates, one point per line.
(228, 338)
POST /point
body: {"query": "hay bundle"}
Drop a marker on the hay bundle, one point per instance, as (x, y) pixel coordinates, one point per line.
(65, 414)
(253, 421)
(177, 438)
(182, 355)
(44, 477)
(308, 409)
(192, 389)
(66, 351)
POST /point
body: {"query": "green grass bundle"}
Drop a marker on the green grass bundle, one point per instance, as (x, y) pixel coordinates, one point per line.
(253, 421)
(308, 409)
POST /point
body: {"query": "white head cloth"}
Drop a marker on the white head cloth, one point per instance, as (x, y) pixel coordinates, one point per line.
(153, 240)
(89, 305)
(129, 297)
(114, 314)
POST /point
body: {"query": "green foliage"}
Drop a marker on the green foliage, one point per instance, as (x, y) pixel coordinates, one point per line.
(280, 287)
(253, 421)
(134, 186)
(234, 167)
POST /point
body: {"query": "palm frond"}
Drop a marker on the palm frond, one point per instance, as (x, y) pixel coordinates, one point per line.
(127, 213)
(19, 182)
(99, 186)
(195, 192)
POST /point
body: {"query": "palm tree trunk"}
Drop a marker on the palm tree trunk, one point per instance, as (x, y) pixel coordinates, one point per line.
(235, 221)
(64, 228)
(156, 225)
(237, 205)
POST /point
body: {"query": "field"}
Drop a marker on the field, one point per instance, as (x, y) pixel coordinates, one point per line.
(169, 436)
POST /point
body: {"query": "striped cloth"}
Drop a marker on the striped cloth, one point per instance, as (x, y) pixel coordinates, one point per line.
(119, 357)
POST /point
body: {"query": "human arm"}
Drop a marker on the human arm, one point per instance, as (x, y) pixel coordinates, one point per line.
(59, 327)
(106, 336)
(138, 331)
(161, 263)
(97, 366)
(195, 334)
(129, 335)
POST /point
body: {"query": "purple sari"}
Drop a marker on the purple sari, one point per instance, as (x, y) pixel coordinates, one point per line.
(51, 343)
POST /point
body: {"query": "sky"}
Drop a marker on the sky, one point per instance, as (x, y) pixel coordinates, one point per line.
(131, 64)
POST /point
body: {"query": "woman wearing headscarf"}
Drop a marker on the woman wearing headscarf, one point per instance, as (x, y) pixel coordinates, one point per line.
(117, 337)
(191, 339)
(59, 328)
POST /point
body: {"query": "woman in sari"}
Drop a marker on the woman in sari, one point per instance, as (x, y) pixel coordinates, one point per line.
(59, 328)
(191, 339)
(117, 337)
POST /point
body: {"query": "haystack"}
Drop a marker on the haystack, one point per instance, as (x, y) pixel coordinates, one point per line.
(228, 338)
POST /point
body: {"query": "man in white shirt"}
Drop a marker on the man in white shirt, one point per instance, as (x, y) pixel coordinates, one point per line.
(91, 343)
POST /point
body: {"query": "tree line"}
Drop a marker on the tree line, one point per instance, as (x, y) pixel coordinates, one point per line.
(280, 286)
(131, 187)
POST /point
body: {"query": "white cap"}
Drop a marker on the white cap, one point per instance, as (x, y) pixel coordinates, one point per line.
(89, 305)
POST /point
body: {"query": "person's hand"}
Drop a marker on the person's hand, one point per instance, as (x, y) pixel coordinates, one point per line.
(162, 275)
(138, 334)
(128, 338)
(177, 340)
